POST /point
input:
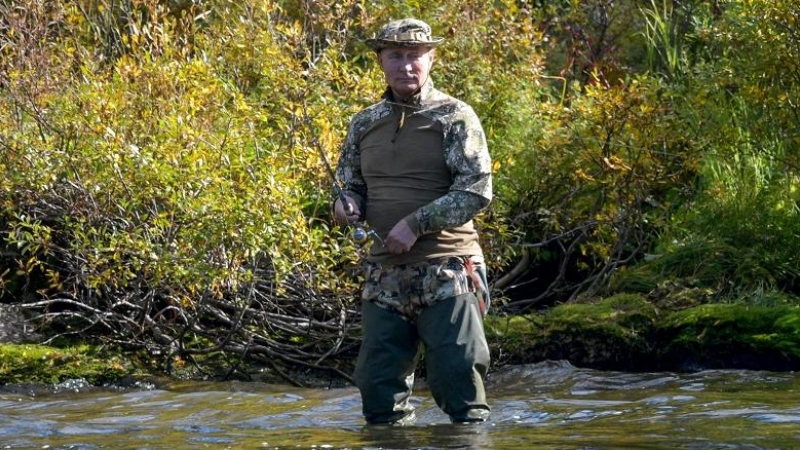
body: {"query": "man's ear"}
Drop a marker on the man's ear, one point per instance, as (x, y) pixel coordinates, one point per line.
(378, 58)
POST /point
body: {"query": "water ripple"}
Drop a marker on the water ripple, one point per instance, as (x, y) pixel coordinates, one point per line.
(551, 405)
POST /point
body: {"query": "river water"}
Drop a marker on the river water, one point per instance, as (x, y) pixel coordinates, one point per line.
(551, 405)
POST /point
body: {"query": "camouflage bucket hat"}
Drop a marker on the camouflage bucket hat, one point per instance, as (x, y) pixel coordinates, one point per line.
(403, 33)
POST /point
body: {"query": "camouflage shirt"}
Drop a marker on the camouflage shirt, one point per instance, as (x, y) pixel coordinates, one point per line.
(435, 197)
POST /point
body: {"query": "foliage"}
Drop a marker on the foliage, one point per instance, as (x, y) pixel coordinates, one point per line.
(617, 164)
(163, 185)
(163, 182)
(738, 237)
(171, 178)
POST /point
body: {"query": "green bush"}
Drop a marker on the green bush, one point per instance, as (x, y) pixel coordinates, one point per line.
(162, 184)
(738, 236)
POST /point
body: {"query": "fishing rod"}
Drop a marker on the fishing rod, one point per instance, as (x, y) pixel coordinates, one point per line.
(360, 233)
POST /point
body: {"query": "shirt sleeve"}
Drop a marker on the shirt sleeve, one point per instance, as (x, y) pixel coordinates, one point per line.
(451, 210)
(348, 169)
(467, 157)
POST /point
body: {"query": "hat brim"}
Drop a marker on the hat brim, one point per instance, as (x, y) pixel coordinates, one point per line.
(380, 44)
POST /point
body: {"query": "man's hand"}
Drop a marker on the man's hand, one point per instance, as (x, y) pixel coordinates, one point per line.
(345, 215)
(400, 239)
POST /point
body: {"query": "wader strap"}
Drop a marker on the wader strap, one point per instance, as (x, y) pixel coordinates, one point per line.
(478, 277)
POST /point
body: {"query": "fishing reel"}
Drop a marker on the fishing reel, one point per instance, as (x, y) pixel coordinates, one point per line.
(361, 235)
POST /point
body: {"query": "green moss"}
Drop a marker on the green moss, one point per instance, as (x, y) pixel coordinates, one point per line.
(611, 333)
(44, 364)
(732, 335)
(627, 332)
(511, 335)
(624, 313)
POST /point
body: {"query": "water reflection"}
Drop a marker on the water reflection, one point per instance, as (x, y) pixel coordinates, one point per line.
(427, 436)
(548, 406)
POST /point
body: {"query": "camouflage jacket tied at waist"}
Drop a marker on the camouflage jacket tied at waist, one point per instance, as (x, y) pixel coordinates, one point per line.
(409, 288)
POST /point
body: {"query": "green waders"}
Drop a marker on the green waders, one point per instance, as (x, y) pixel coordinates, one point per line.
(456, 354)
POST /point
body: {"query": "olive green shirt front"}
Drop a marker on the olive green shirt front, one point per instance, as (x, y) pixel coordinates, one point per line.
(409, 161)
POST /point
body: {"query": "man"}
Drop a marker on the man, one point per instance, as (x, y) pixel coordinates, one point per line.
(415, 167)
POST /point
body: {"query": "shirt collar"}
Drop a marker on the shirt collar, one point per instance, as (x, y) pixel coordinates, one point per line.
(418, 99)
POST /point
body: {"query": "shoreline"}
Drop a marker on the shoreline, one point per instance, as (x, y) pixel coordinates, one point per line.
(621, 333)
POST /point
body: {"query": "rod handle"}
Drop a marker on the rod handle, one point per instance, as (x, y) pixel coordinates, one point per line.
(348, 208)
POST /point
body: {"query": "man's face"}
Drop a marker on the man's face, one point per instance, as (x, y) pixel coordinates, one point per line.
(406, 68)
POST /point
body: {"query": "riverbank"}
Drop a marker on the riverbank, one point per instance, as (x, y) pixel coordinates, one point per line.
(624, 332)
